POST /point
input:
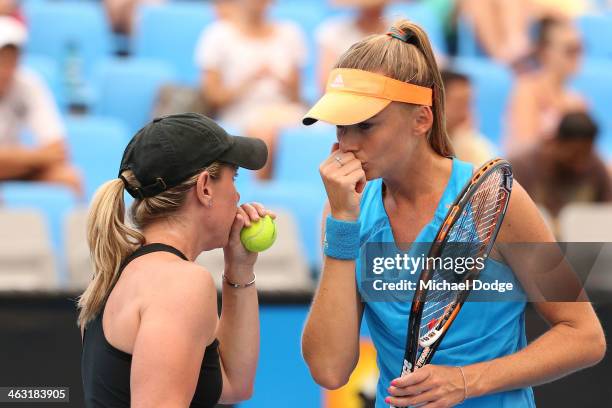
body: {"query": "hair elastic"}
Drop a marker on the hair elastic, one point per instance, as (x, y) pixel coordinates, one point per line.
(399, 34)
(407, 37)
(133, 191)
(126, 185)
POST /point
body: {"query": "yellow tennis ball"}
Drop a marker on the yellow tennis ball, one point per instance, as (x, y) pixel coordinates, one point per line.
(260, 235)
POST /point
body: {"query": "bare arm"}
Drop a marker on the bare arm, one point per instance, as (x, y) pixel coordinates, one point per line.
(238, 340)
(327, 59)
(238, 331)
(500, 26)
(575, 339)
(292, 85)
(216, 92)
(17, 162)
(120, 13)
(173, 333)
(523, 122)
(330, 342)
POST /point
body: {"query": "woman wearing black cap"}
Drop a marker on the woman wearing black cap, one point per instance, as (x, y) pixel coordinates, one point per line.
(152, 336)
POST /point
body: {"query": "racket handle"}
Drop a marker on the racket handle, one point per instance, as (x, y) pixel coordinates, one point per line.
(406, 369)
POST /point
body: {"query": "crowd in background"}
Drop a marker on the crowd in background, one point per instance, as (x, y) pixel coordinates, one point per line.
(251, 67)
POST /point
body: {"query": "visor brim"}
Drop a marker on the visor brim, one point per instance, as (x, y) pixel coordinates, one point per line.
(340, 108)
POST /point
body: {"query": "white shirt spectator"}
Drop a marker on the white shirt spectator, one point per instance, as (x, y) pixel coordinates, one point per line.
(337, 34)
(224, 48)
(28, 103)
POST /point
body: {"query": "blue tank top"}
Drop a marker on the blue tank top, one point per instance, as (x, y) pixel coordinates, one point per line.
(482, 331)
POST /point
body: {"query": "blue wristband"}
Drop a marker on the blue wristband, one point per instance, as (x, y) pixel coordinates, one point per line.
(341, 239)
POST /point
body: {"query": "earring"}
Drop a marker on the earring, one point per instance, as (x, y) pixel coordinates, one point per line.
(209, 205)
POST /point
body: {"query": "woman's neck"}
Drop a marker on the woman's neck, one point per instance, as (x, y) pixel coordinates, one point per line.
(415, 178)
(176, 234)
(254, 24)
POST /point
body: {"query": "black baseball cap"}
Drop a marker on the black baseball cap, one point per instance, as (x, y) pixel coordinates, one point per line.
(172, 148)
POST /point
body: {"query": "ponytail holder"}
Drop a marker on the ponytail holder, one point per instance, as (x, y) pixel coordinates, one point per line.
(402, 36)
(125, 182)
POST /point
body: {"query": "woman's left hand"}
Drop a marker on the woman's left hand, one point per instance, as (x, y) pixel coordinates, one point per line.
(238, 260)
(430, 386)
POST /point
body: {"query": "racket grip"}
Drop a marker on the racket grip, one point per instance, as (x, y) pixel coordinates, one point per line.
(405, 370)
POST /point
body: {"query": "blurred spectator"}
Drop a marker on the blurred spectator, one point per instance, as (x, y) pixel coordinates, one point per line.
(565, 169)
(122, 13)
(562, 8)
(26, 102)
(501, 27)
(225, 9)
(11, 8)
(469, 144)
(541, 97)
(337, 34)
(251, 72)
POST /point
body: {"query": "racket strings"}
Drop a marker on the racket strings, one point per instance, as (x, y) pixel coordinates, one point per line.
(475, 223)
(468, 238)
(471, 234)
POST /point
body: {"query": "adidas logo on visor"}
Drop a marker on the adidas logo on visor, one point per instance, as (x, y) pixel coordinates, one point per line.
(338, 82)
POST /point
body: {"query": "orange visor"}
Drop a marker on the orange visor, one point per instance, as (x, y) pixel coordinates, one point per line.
(354, 95)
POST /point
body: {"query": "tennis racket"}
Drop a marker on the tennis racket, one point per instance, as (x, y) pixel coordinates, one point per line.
(469, 230)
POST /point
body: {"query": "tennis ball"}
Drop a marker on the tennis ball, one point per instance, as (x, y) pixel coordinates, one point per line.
(260, 235)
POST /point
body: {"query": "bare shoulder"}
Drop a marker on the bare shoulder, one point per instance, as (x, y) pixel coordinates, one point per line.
(171, 280)
(523, 222)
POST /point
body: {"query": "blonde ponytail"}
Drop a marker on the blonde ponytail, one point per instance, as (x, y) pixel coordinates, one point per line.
(110, 242)
(413, 62)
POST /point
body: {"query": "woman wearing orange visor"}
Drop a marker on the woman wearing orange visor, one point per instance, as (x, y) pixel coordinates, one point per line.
(386, 98)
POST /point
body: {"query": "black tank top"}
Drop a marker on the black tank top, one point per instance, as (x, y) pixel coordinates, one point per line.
(106, 370)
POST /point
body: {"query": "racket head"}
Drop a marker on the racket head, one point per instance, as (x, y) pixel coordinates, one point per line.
(469, 230)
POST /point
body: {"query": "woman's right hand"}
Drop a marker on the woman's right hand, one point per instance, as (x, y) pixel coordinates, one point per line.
(344, 181)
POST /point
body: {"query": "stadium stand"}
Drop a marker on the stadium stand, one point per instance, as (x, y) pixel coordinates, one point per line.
(154, 40)
(126, 89)
(26, 254)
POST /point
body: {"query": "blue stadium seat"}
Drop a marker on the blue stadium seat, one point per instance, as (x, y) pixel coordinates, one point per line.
(594, 82)
(299, 152)
(54, 26)
(170, 33)
(96, 146)
(423, 15)
(596, 31)
(492, 84)
(52, 200)
(604, 143)
(126, 89)
(467, 44)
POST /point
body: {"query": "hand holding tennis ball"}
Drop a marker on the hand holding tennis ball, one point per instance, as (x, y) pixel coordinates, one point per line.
(260, 235)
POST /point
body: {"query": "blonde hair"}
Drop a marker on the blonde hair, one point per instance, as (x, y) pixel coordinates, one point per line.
(111, 240)
(412, 62)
